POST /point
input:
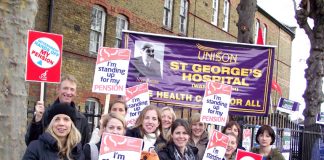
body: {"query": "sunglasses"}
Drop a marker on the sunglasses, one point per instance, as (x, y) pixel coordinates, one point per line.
(150, 52)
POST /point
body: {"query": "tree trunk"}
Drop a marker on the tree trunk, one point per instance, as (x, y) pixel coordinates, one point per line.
(314, 73)
(246, 11)
(16, 17)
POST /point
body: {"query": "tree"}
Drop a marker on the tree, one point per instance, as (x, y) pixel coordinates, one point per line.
(16, 17)
(246, 11)
(314, 72)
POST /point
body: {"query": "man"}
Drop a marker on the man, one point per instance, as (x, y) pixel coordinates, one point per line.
(146, 64)
(66, 92)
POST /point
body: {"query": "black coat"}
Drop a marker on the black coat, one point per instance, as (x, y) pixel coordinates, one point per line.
(135, 132)
(45, 148)
(167, 153)
(35, 129)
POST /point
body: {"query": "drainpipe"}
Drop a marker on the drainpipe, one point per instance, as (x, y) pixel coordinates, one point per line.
(49, 29)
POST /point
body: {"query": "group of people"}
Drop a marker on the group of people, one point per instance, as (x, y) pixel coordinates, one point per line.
(61, 132)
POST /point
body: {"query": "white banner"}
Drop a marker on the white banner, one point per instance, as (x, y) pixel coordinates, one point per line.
(137, 98)
(216, 103)
(111, 71)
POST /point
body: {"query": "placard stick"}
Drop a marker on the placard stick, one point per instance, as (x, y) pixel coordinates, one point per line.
(107, 104)
(41, 98)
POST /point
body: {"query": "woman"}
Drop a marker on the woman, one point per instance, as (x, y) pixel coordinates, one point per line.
(199, 135)
(112, 123)
(168, 117)
(231, 147)
(118, 107)
(61, 140)
(233, 127)
(148, 127)
(265, 137)
(178, 148)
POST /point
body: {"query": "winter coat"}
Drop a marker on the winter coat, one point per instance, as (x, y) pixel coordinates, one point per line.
(45, 148)
(169, 152)
(274, 154)
(135, 132)
(35, 129)
(201, 145)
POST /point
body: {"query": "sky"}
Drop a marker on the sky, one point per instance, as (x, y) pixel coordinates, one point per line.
(283, 11)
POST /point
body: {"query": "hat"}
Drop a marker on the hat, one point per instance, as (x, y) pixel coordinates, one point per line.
(62, 108)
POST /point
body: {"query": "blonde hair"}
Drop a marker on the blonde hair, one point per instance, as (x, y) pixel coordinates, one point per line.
(73, 138)
(171, 110)
(194, 119)
(167, 132)
(107, 117)
(140, 119)
(69, 77)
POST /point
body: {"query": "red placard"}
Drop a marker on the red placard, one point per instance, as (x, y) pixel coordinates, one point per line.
(244, 155)
(44, 57)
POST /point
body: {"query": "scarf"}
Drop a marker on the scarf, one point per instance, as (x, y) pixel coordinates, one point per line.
(149, 141)
(188, 154)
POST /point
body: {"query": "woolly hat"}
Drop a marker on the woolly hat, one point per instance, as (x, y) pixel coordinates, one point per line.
(61, 108)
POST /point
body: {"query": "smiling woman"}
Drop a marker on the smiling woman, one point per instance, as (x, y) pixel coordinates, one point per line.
(61, 140)
(149, 127)
(178, 148)
(265, 137)
(199, 135)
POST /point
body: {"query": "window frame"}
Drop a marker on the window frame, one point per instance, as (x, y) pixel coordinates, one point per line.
(96, 111)
(183, 17)
(167, 18)
(119, 29)
(100, 33)
(215, 12)
(226, 15)
(264, 33)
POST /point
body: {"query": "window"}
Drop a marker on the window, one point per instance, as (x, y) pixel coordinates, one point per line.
(92, 110)
(226, 15)
(215, 12)
(167, 17)
(256, 30)
(183, 16)
(98, 19)
(264, 34)
(121, 24)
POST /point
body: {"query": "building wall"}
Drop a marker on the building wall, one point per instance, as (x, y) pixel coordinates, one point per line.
(72, 19)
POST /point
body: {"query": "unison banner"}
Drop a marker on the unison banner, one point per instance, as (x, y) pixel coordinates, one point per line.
(177, 68)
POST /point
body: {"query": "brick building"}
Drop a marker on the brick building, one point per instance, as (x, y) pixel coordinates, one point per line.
(89, 24)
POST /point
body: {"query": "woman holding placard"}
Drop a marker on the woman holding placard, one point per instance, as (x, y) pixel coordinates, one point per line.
(198, 135)
(168, 117)
(61, 140)
(178, 148)
(148, 127)
(231, 147)
(112, 123)
(265, 137)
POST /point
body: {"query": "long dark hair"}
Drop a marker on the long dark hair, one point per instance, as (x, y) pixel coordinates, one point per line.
(177, 123)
